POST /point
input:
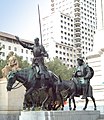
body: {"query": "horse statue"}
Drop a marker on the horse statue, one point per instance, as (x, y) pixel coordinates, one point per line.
(26, 77)
(75, 90)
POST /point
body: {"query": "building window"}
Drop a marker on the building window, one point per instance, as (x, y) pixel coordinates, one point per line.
(9, 47)
(27, 58)
(64, 48)
(60, 52)
(60, 58)
(15, 49)
(26, 51)
(3, 54)
(3, 46)
(63, 53)
(21, 50)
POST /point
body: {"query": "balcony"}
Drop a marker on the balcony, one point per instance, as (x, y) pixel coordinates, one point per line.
(77, 33)
(77, 5)
(77, 44)
(76, 27)
(77, 38)
(77, 23)
(76, 0)
(77, 14)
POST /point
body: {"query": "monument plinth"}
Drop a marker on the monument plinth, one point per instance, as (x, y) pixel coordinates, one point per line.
(60, 115)
(13, 100)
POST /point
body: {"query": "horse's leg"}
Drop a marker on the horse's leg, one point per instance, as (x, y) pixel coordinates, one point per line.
(74, 103)
(43, 103)
(33, 102)
(24, 104)
(93, 99)
(62, 102)
(29, 92)
(86, 104)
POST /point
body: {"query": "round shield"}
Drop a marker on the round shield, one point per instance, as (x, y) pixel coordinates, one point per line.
(92, 72)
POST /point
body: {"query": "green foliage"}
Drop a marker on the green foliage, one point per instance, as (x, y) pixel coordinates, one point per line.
(58, 68)
(22, 63)
(2, 64)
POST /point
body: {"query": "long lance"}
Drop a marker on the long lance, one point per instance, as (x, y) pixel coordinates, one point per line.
(40, 24)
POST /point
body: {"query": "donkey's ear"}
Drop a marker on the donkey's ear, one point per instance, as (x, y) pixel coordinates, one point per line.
(60, 78)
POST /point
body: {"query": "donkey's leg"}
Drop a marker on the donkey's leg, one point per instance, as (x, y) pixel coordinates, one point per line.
(86, 104)
(93, 99)
(70, 108)
(74, 103)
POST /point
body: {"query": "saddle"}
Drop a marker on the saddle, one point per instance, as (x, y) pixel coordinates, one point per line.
(78, 87)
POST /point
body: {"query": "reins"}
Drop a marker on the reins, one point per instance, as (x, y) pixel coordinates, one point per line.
(16, 87)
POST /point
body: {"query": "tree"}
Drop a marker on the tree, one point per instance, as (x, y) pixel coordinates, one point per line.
(58, 68)
(22, 63)
(2, 65)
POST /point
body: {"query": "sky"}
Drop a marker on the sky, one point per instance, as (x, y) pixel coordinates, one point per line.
(20, 17)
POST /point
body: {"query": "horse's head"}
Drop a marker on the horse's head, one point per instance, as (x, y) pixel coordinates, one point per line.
(11, 78)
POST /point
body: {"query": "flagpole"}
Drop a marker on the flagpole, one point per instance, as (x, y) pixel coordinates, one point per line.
(40, 24)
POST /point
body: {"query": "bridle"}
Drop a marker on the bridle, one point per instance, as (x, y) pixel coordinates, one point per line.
(16, 86)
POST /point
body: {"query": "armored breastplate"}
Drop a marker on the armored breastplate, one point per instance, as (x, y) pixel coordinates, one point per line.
(37, 51)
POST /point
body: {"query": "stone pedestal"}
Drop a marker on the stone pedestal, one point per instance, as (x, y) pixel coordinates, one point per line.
(9, 115)
(13, 100)
(60, 115)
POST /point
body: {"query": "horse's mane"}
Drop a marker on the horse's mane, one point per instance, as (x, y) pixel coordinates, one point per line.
(25, 72)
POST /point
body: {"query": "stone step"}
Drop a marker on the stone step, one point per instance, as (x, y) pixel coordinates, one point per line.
(101, 116)
(100, 119)
(59, 115)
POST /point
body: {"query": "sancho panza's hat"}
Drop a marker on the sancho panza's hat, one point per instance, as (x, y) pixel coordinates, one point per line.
(80, 58)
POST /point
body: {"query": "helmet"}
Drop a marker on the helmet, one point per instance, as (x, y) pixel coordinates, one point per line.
(36, 39)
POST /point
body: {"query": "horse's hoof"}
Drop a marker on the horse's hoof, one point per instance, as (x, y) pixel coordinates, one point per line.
(24, 108)
(74, 108)
(70, 108)
(33, 109)
(62, 108)
(84, 108)
(42, 108)
(95, 109)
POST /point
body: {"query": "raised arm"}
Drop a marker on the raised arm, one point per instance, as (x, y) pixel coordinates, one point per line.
(23, 44)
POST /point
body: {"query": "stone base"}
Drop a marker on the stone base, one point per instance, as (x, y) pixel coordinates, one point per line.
(9, 115)
(59, 115)
(12, 100)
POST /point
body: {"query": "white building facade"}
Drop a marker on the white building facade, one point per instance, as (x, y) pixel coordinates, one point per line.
(58, 38)
(83, 13)
(9, 43)
(100, 14)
